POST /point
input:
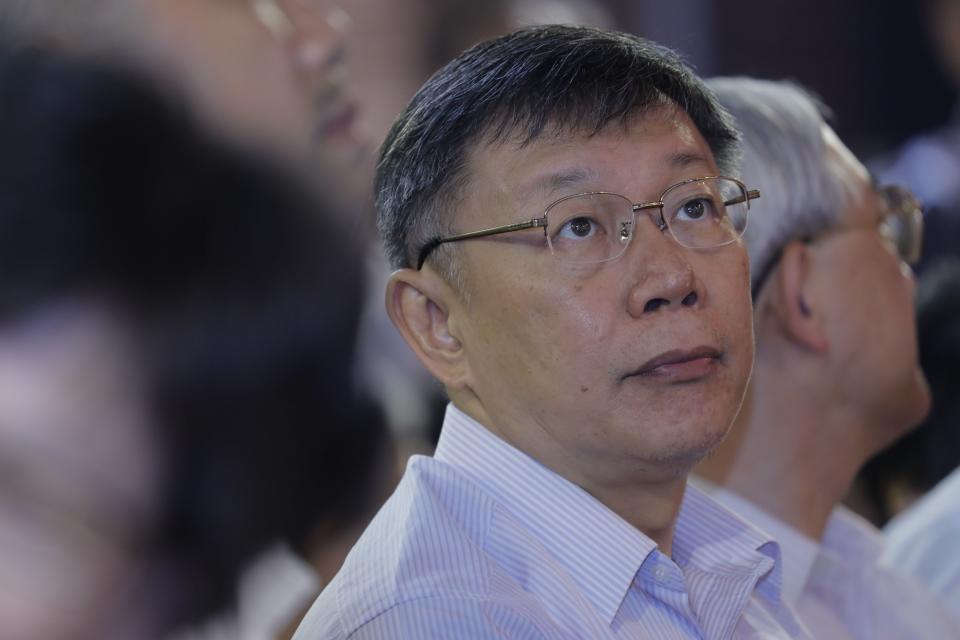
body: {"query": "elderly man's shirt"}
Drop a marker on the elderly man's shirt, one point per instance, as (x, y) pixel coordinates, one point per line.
(837, 587)
(924, 541)
(482, 541)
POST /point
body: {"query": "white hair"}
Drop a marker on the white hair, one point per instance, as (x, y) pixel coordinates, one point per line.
(802, 191)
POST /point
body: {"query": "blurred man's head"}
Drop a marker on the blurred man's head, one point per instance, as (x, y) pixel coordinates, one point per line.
(265, 71)
(170, 337)
(828, 249)
(606, 340)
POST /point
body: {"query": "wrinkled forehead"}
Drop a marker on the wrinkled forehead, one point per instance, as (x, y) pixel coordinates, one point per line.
(649, 147)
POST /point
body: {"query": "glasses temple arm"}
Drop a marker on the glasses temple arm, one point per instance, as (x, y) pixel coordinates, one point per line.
(436, 242)
(752, 194)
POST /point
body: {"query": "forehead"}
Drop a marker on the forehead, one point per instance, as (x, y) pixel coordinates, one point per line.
(864, 205)
(638, 157)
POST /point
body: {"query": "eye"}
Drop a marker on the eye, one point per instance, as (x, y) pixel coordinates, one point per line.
(695, 209)
(579, 227)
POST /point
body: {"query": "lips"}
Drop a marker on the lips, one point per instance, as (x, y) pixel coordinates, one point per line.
(679, 365)
(338, 120)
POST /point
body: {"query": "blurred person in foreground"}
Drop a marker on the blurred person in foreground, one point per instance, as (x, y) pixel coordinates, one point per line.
(175, 361)
(265, 72)
(923, 539)
(836, 377)
(268, 74)
(594, 347)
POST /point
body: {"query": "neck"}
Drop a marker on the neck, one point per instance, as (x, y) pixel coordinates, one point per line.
(649, 499)
(794, 450)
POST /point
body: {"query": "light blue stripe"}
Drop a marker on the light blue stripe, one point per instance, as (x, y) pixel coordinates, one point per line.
(482, 541)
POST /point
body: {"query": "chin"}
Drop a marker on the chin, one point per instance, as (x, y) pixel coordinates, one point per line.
(910, 406)
(685, 446)
(923, 400)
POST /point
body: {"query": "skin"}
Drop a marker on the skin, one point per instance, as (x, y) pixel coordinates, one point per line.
(837, 376)
(266, 71)
(541, 354)
(81, 477)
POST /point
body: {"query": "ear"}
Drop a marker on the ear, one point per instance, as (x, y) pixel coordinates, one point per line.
(800, 317)
(420, 304)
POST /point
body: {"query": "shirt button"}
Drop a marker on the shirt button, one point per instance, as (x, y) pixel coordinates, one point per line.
(660, 574)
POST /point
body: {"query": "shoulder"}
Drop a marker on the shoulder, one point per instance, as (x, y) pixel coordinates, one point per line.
(925, 541)
(458, 616)
(426, 546)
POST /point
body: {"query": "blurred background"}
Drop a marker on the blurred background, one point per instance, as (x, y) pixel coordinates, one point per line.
(270, 93)
(887, 68)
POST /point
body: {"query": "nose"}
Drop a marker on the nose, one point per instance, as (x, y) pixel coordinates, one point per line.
(662, 277)
(319, 37)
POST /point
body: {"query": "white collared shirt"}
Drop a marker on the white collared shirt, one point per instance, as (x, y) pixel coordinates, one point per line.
(482, 541)
(924, 541)
(837, 587)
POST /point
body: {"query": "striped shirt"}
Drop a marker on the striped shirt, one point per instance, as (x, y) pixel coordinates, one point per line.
(837, 586)
(482, 541)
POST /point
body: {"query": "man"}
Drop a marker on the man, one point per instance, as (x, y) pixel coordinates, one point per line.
(266, 72)
(836, 376)
(593, 350)
(166, 344)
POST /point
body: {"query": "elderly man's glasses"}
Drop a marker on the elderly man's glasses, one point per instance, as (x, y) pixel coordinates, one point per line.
(595, 227)
(902, 222)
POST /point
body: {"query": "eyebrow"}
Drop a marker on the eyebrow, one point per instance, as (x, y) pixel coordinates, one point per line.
(556, 181)
(683, 160)
(553, 182)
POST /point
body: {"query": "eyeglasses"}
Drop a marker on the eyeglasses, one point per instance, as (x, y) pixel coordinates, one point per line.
(595, 227)
(902, 222)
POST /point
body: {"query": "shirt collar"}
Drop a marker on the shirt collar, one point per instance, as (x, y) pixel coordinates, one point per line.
(798, 551)
(713, 538)
(584, 535)
(850, 537)
(555, 509)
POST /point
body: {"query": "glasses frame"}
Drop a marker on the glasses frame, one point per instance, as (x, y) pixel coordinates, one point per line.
(898, 202)
(901, 204)
(533, 223)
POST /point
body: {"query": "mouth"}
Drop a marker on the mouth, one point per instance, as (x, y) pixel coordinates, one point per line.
(336, 124)
(679, 365)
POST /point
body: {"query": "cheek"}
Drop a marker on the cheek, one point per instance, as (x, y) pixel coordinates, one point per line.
(728, 291)
(558, 332)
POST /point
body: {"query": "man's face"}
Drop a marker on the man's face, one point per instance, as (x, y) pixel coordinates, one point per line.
(870, 305)
(555, 351)
(269, 71)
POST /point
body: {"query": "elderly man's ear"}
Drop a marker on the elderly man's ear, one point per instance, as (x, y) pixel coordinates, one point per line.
(425, 309)
(796, 305)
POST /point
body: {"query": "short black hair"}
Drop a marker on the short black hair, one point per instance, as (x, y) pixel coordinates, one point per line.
(562, 77)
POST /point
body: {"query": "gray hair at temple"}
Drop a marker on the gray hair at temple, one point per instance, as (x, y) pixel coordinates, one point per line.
(784, 156)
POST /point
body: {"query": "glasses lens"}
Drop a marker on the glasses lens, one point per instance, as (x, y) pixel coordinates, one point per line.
(903, 222)
(587, 228)
(706, 213)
